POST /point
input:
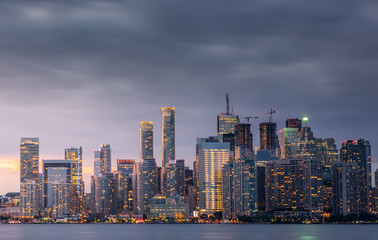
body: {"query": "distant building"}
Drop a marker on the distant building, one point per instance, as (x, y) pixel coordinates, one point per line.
(375, 189)
(167, 142)
(268, 136)
(260, 185)
(60, 199)
(211, 157)
(29, 159)
(226, 121)
(345, 188)
(168, 209)
(239, 176)
(104, 194)
(97, 163)
(29, 199)
(54, 172)
(146, 185)
(294, 123)
(77, 189)
(105, 159)
(288, 140)
(29, 181)
(294, 185)
(146, 140)
(358, 151)
(168, 134)
(125, 184)
(175, 178)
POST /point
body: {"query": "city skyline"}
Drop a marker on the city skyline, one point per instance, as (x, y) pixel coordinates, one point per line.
(88, 164)
(86, 74)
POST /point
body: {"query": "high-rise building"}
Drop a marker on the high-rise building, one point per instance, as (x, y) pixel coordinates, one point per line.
(331, 153)
(96, 163)
(288, 140)
(60, 199)
(260, 185)
(358, 151)
(211, 157)
(104, 194)
(77, 189)
(29, 159)
(243, 140)
(345, 188)
(146, 140)
(226, 121)
(294, 184)
(268, 136)
(146, 184)
(29, 196)
(294, 123)
(105, 159)
(126, 166)
(175, 175)
(239, 176)
(167, 134)
(29, 181)
(124, 184)
(55, 172)
(375, 195)
(309, 147)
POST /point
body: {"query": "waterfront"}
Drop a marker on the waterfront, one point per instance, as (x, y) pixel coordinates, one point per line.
(190, 231)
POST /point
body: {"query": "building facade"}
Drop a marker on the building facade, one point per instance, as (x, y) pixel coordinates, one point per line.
(359, 152)
(77, 188)
(211, 157)
(146, 140)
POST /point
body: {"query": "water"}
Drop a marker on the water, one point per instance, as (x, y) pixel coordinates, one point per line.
(189, 231)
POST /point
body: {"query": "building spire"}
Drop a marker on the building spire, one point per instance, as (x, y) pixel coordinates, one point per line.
(227, 105)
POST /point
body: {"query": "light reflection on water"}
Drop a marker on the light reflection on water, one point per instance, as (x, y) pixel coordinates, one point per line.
(192, 232)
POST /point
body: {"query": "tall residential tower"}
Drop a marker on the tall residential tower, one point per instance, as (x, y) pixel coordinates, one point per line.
(146, 140)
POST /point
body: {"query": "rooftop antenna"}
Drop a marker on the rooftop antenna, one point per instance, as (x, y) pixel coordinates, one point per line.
(227, 105)
(271, 112)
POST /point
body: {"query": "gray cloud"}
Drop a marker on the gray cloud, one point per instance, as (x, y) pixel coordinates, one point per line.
(85, 73)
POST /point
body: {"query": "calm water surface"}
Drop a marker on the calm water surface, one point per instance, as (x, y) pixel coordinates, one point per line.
(192, 232)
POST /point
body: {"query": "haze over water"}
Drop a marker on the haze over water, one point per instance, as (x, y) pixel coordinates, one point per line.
(190, 231)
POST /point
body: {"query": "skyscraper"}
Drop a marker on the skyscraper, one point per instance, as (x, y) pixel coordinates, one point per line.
(211, 157)
(96, 163)
(55, 172)
(29, 159)
(104, 194)
(167, 134)
(105, 159)
(175, 173)
(125, 183)
(29, 195)
(146, 184)
(294, 123)
(239, 176)
(268, 136)
(146, 140)
(294, 184)
(345, 188)
(226, 121)
(288, 140)
(358, 151)
(77, 196)
(29, 181)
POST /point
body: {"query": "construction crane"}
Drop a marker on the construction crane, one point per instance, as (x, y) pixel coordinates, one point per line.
(248, 118)
(271, 112)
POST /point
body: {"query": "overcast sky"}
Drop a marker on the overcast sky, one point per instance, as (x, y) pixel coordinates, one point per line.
(84, 73)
